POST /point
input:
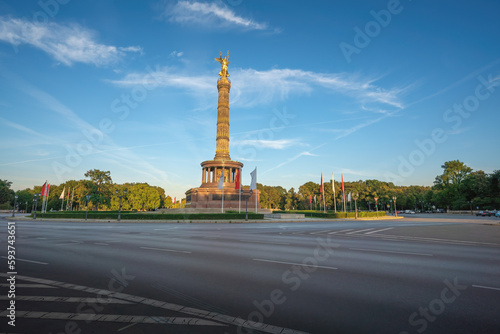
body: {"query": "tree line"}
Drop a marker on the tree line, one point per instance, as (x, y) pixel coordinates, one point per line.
(457, 188)
(102, 194)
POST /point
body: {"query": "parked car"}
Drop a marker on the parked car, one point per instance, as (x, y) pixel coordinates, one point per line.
(409, 212)
(484, 213)
(497, 214)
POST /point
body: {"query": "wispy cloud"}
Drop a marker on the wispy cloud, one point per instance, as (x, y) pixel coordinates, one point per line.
(273, 144)
(251, 87)
(209, 14)
(68, 44)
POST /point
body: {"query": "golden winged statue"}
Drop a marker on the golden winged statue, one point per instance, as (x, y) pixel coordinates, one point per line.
(224, 62)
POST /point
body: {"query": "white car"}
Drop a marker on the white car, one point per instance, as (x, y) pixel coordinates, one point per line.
(409, 211)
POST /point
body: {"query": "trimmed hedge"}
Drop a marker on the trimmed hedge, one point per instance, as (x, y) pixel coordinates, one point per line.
(148, 216)
(331, 214)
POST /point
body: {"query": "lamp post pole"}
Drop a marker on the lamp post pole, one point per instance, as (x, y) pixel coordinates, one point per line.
(356, 206)
(246, 205)
(35, 200)
(87, 203)
(14, 208)
(395, 210)
(120, 204)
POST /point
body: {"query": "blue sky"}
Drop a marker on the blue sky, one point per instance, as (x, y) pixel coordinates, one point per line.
(386, 90)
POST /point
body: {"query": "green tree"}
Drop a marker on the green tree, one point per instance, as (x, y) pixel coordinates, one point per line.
(6, 194)
(100, 189)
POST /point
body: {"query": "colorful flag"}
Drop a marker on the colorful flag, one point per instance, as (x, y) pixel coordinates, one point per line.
(349, 197)
(321, 189)
(175, 201)
(314, 199)
(310, 199)
(62, 194)
(221, 180)
(253, 184)
(44, 191)
(342, 183)
(69, 190)
(237, 183)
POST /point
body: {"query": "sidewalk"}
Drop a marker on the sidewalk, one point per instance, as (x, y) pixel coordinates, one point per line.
(189, 221)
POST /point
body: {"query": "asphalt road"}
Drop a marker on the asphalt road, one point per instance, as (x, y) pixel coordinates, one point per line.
(424, 273)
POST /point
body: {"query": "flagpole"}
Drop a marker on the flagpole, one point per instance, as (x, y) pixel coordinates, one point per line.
(239, 182)
(72, 195)
(47, 199)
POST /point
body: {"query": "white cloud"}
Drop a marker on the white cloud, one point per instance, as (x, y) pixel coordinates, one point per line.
(273, 144)
(67, 44)
(209, 14)
(252, 87)
(176, 54)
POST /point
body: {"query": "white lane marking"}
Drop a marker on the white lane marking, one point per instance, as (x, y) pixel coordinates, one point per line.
(101, 243)
(388, 251)
(22, 285)
(319, 232)
(349, 229)
(486, 287)
(359, 231)
(69, 299)
(127, 327)
(68, 243)
(166, 250)
(114, 318)
(40, 238)
(376, 231)
(211, 316)
(451, 241)
(30, 261)
(292, 263)
(266, 242)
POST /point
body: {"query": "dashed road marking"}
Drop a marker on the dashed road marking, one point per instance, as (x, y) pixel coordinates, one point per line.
(295, 264)
(388, 251)
(376, 231)
(359, 231)
(335, 232)
(166, 250)
(486, 287)
(24, 260)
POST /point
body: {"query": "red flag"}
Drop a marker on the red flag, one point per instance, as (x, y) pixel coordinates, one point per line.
(342, 183)
(320, 199)
(43, 192)
(175, 200)
(310, 199)
(321, 190)
(67, 198)
(237, 183)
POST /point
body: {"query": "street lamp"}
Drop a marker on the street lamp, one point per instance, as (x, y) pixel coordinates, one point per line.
(356, 206)
(35, 200)
(120, 205)
(14, 209)
(395, 210)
